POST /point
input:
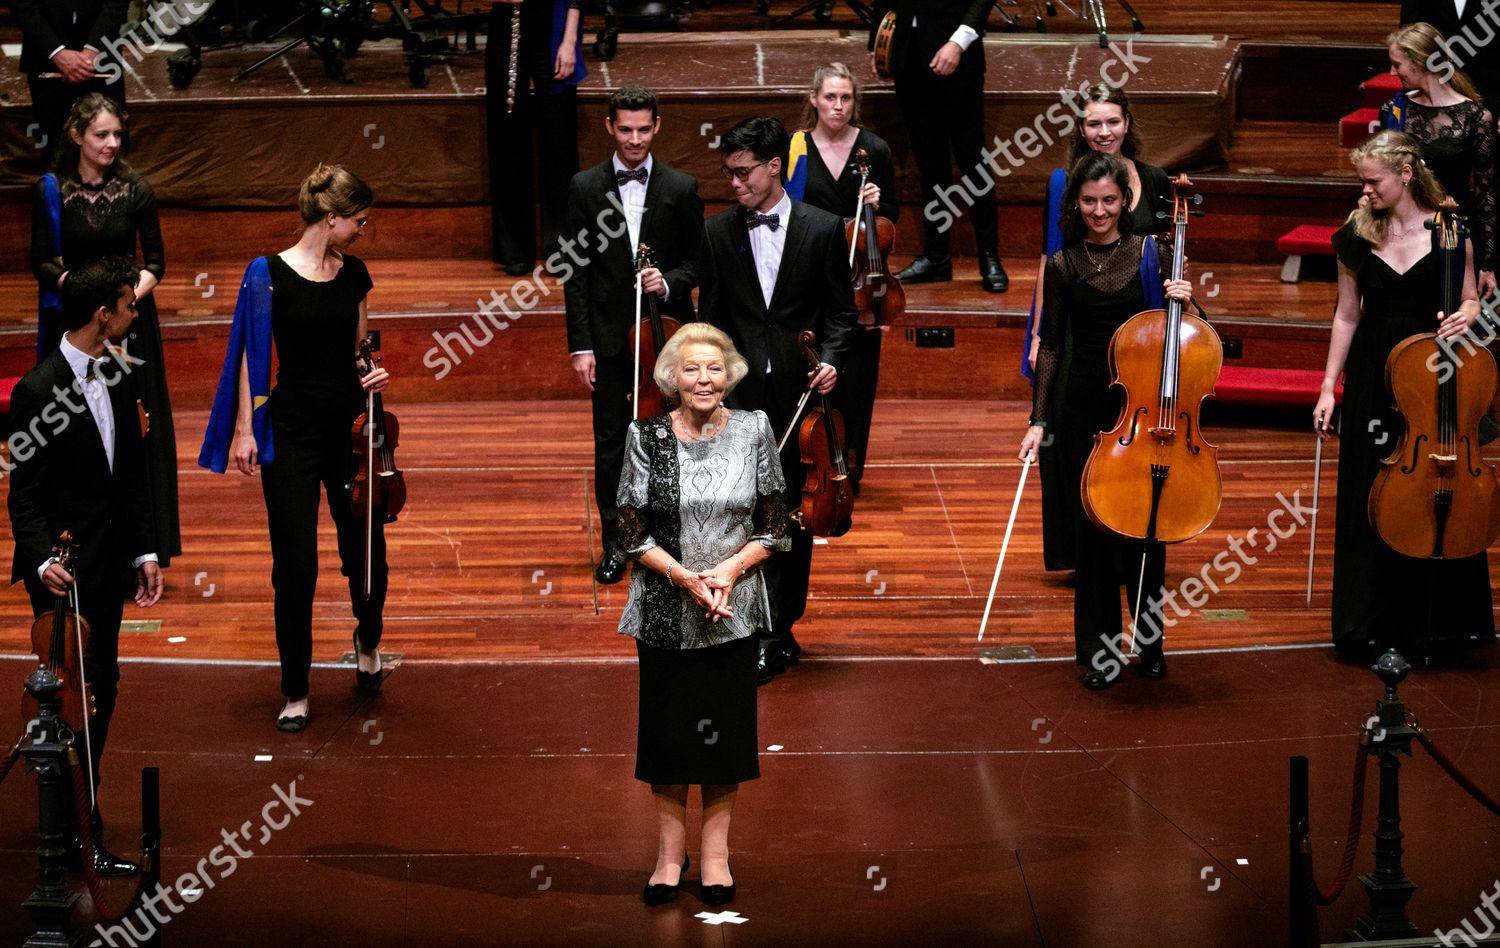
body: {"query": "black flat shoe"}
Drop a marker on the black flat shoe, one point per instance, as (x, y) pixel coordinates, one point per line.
(717, 895)
(1153, 665)
(923, 270)
(992, 275)
(611, 569)
(660, 893)
(1096, 680)
(292, 723)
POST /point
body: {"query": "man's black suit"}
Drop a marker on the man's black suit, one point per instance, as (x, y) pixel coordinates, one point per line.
(1484, 65)
(601, 298)
(70, 24)
(67, 484)
(944, 114)
(812, 292)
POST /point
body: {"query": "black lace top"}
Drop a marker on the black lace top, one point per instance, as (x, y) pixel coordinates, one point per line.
(97, 220)
(1088, 291)
(1458, 144)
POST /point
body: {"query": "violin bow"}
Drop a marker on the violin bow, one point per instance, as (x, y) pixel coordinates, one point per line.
(1140, 592)
(796, 416)
(635, 385)
(367, 351)
(66, 547)
(1005, 544)
(1312, 537)
(862, 163)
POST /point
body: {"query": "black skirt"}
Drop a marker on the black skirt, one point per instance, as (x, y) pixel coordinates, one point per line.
(697, 714)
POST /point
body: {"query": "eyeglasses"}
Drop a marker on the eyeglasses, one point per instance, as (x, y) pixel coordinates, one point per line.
(740, 174)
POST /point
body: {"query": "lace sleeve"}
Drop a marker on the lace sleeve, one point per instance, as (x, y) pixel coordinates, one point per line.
(769, 522)
(1484, 193)
(634, 519)
(1049, 352)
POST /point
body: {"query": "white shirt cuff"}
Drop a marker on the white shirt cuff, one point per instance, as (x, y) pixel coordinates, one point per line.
(582, 352)
(964, 36)
(147, 558)
(43, 568)
(666, 291)
(56, 51)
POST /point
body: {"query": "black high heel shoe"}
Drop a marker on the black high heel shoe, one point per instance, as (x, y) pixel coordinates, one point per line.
(366, 683)
(716, 895)
(660, 893)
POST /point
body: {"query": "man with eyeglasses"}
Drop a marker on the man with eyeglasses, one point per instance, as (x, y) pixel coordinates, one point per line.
(937, 60)
(628, 199)
(771, 268)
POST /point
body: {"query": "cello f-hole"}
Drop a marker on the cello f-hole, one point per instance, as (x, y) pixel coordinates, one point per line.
(1416, 453)
(1135, 422)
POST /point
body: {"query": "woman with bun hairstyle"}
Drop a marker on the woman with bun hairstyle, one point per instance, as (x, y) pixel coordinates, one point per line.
(308, 305)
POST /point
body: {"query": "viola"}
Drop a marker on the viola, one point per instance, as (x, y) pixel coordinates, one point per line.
(878, 295)
(827, 496)
(1435, 497)
(649, 336)
(1153, 476)
(60, 641)
(379, 487)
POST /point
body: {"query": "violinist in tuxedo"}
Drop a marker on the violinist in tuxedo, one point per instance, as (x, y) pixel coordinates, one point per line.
(629, 199)
(67, 37)
(937, 61)
(773, 267)
(81, 468)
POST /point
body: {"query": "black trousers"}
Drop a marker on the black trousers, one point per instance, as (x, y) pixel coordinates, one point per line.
(612, 416)
(101, 662)
(307, 459)
(52, 100)
(788, 572)
(854, 397)
(945, 117)
(541, 129)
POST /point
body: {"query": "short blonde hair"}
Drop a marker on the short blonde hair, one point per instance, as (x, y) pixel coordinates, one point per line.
(703, 334)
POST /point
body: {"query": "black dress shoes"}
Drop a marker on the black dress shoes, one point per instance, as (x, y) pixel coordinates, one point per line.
(772, 662)
(106, 863)
(660, 893)
(611, 569)
(923, 270)
(516, 268)
(716, 895)
(992, 275)
(1096, 680)
(1153, 664)
(790, 649)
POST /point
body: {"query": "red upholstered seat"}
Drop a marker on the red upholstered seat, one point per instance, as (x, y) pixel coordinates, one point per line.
(1307, 239)
(1280, 388)
(6, 387)
(1374, 91)
(1357, 126)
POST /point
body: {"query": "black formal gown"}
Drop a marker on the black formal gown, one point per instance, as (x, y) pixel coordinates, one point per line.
(104, 220)
(1458, 144)
(1089, 292)
(1381, 598)
(854, 396)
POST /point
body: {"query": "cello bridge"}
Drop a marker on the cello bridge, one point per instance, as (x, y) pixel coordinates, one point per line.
(1163, 434)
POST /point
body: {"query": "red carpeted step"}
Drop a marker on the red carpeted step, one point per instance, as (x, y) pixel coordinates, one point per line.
(1303, 240)
(1357, 126)
(1279, 388)
(1375, 90)
(6, 387)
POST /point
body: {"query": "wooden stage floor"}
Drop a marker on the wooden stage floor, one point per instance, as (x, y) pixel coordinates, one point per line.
(491, 557)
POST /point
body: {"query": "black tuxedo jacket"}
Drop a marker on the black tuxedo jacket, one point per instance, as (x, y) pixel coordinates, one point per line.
(936, 21)
(67, 484)
(601, 296)
(813, 291)
(73, 24)
(1484, 65)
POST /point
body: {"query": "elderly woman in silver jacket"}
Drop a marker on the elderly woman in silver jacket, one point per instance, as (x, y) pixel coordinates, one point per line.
(702, 506)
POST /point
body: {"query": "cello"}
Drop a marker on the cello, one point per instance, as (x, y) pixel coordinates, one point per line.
(648, 342)
(827, 496)
(378, 485)
(878, 295)
(1435, 497)
(60, 641)
(1153, 477)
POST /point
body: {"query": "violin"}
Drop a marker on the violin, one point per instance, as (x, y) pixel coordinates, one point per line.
(827, 496)
(1435, 497)
(59, 642)
(1153, 476)
(878, 295)
(378, 486)
(649, 338)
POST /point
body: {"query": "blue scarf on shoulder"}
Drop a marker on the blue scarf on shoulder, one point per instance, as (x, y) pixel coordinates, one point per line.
(250, 334)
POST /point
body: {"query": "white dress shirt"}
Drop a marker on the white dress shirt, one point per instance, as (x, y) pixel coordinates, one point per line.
(767, 244)
(633, 197)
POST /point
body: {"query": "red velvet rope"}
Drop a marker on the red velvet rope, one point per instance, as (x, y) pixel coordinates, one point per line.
(1351, 836)
(1451, 769)
(86, 840)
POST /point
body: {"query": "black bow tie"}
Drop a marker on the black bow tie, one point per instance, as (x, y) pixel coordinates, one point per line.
(92, 372)
(772, 221)
(638, 176)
